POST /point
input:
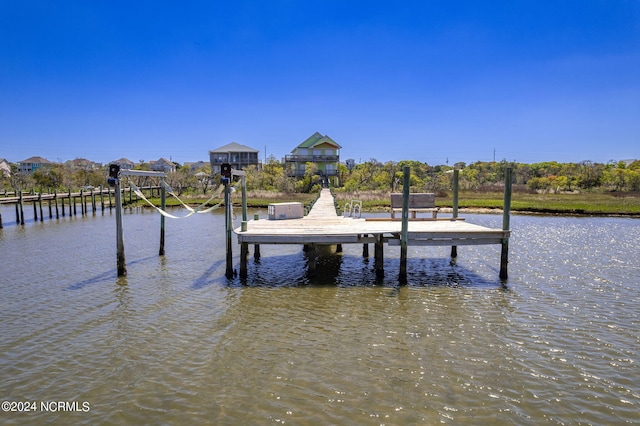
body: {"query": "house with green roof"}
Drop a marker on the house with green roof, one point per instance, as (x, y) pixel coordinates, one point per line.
(320, 150)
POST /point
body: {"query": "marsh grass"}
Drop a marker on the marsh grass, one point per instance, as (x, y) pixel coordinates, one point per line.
(578, 203)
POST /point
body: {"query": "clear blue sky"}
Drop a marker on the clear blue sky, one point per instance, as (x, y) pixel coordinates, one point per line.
(432, 81)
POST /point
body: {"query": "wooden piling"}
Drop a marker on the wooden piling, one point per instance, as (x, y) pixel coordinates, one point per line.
(406, 185)
(244, 254)
(244, 247)
(55, 202)
(312, 256)
(163, 207)
(456, 174)
(504, 255)
(379, 256)
(243, 180)
(40, 206)
(228, 228)
(121, 262)
(21, 217)
(256, 247)
(35, 210)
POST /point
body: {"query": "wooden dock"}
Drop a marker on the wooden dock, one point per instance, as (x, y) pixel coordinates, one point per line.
(322, 226)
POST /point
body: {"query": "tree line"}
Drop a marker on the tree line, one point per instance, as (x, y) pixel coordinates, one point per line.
(62, 176)
(373, 175)
(370, 175)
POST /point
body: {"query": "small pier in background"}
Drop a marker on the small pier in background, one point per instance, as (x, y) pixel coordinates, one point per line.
(322, 226)
(61, 204)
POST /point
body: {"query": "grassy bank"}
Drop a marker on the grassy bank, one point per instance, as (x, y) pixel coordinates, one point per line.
(598, 204)
(586, 203)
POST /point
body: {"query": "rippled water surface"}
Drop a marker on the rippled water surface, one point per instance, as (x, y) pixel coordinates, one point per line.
(175, 342)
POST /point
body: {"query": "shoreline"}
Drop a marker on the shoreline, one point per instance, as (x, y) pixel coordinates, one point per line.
(378, 207)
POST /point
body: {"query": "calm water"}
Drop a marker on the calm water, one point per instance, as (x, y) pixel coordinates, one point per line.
(176, 342)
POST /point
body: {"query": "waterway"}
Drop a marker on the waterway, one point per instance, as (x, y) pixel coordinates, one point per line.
(175, 342)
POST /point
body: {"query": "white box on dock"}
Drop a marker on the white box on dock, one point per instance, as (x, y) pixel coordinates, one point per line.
(279, 211)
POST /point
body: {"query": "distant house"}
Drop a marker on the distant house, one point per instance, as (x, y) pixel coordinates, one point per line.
(5, 167)
(320, 150)
(195, 165)
(237, 155)
(32, 164)
(124, 163)
(83, 164)
(162, 165)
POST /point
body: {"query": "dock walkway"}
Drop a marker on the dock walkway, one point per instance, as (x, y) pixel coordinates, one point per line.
(322, 226)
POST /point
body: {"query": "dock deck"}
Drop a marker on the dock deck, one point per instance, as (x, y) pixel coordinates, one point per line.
(323, 226)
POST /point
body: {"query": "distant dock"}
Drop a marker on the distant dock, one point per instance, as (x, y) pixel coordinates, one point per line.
(60, 204)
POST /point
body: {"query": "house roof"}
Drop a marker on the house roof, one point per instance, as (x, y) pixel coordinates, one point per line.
(124, 161)
(317, 139)
(36, 159)
(80, 162)
(233, 147)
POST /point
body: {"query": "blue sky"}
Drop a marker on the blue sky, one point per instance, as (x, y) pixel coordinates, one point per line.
(433, 81)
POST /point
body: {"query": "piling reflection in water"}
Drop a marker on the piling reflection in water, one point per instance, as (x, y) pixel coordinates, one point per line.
(176, 341)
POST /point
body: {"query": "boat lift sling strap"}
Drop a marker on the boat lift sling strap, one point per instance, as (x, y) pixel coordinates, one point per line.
(200, 209)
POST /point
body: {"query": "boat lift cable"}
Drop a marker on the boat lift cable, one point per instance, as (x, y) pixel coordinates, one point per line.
(139, 193)
(200, 209)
